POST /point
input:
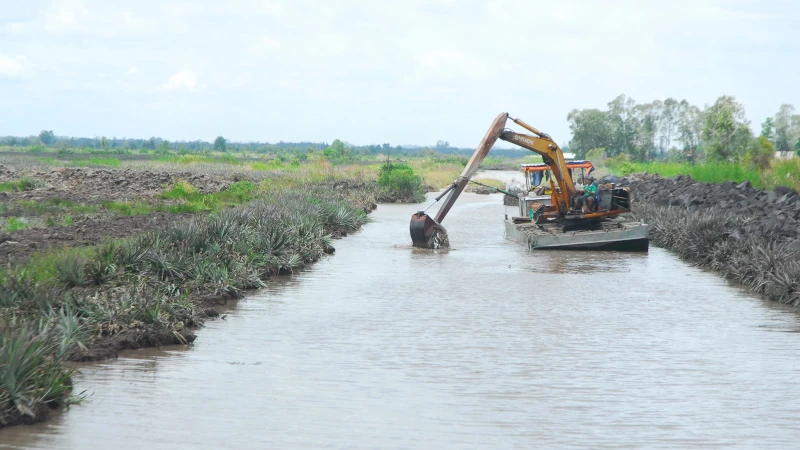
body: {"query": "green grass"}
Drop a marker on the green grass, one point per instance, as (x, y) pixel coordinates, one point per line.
(185, 198)
(780, 173)
(97, 161)
(783, 173)
(707, 172)
(492, 182)
(48, 161)
(180, 190)
(185, 159)
(24, 184)
(16, 223)
(194, 158)
(55, 206)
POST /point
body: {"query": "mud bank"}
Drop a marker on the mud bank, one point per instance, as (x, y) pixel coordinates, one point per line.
(748, 235)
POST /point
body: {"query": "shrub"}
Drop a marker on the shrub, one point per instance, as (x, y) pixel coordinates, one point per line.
(760, 153)
(180, 190)
(399, 181)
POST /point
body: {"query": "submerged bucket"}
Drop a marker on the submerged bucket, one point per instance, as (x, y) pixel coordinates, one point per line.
(426, 233)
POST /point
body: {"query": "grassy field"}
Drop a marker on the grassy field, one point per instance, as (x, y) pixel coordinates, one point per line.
(781, 172)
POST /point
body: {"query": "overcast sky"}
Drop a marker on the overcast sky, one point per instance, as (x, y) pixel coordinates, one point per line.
(404, 72)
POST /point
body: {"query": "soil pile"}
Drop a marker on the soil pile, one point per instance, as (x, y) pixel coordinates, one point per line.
(84, 184)
(774, 213)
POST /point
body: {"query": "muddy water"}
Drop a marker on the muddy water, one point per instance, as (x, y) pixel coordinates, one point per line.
(483, 346)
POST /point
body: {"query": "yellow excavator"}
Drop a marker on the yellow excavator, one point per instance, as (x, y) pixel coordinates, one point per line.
(427, 232)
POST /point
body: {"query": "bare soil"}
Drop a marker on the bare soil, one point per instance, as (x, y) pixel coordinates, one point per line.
(89, 186)
(17, 246)
(84, 185)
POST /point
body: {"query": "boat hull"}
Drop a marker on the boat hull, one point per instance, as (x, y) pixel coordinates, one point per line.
(624, 236)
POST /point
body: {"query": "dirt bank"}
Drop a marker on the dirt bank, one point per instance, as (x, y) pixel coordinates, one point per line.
(775, 214)
(748, 235)
(94, 185)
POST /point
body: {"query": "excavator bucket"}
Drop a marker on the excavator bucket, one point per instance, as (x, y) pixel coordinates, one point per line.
(426, 232)
(422, 229)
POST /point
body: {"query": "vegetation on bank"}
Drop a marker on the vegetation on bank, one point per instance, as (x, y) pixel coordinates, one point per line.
(778, 173)
(726, 242)
(397, 182)
(61, 302)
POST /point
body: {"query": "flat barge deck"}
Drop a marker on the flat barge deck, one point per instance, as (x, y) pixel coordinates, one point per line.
(610, 234)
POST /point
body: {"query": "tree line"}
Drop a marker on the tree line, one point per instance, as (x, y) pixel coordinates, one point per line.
(679, 131)
(159, 145)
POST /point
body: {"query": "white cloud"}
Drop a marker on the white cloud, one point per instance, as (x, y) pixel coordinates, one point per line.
(268, 7)
(136, 24)
(270, 43)
(68, 15)
(133, 70)
(264, 44)
(447, 63)
(9, 66)
(183, 80)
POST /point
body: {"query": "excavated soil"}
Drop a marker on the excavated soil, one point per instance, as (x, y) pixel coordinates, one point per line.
(90, 186)
(94, 185)
(17, 246)
(774, 213)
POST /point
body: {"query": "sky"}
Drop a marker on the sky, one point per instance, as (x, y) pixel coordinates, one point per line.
(370, 72)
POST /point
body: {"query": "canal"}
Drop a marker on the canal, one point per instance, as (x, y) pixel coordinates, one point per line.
(485, 345)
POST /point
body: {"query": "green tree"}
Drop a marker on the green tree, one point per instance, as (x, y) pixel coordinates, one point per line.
(797, 147)
(690, 127)
(623, 123)
(668, 123)
(783, 122)
(220, 144)
(163, 147)
(337, 151)
(645, 130)
(47, 137)
(767, 128)
(590, 130)
(726, 132)
(104, 143)
(760, 153)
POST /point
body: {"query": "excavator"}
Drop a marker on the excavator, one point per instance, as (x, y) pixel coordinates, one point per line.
(427, 231)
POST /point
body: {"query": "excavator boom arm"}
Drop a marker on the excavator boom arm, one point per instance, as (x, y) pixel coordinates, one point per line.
(472, 166)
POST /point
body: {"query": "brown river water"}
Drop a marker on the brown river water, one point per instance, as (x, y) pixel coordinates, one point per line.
(486, 345)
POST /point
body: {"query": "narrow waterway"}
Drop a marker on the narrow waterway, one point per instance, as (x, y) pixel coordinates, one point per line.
(483, 346)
